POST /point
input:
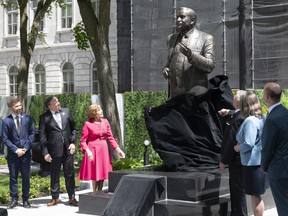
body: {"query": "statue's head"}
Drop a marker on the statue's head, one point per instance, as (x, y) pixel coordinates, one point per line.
(186, 19)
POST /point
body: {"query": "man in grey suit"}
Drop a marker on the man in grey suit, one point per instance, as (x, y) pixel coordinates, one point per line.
(275, 146)
(191, 55)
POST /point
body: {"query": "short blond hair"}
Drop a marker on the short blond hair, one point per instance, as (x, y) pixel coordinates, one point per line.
(92, 110)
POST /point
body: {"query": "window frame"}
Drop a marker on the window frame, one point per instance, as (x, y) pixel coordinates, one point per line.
(68, 78)
(41, 83)
(66, 19)
(13, 80)
(13, 24)
(94, 80)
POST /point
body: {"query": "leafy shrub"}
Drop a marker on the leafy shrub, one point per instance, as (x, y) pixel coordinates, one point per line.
(36, 108)
(135, 127)
(4, 195)
(127, 163)
(3, 160)
(4, 189)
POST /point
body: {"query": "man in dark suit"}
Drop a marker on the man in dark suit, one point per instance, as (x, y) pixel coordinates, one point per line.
(58, 134)
(191, 55)
(232, 159)
(18, 136)
(274, 159)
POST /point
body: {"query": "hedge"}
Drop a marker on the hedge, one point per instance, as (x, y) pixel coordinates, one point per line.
(135, 131)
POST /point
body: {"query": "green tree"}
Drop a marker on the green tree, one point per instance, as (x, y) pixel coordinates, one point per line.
(96, 31)
(28, 38)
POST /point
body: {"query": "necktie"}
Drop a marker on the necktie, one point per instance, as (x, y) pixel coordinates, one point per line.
(18, 124)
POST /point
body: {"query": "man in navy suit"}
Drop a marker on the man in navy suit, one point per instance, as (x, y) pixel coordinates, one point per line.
(18, 136)
(275, 146)
(58, 134)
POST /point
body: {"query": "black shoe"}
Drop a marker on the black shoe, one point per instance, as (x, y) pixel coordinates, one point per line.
(26, 204)
(12, 205)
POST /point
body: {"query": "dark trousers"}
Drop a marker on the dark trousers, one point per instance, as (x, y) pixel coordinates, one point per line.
(279, 188)
(237, 194)
(22, 164)
(67, 160)
(1, 146)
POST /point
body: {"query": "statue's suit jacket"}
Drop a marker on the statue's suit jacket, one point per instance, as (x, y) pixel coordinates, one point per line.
(52, 137)
(275, 144)
(195, 70)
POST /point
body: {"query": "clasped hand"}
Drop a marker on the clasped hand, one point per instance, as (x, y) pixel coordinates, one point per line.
(20, 152)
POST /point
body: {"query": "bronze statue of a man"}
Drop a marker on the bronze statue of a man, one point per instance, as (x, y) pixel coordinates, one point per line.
(191, 55)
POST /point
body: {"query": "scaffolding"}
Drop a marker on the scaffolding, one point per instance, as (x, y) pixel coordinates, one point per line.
(266, 41)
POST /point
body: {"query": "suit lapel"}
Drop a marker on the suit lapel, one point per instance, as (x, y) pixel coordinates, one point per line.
(53, 119)
(193, 38)
(13, 124)
(62, 114)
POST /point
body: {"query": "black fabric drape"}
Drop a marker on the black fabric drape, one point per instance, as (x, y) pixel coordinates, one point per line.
(186, 131)
(135, 195)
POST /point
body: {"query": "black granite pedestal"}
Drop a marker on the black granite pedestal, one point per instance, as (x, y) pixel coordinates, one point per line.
(186, 193)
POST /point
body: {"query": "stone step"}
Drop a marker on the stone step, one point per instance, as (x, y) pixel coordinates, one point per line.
(94, 203)
(186, 208)
(189, 186)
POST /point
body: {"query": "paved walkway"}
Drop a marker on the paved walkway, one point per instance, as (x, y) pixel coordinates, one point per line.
(39, 205)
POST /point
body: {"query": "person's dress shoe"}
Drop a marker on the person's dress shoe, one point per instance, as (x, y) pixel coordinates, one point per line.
(73, 202)
(26, 204)
(53, 202)
(12, 205)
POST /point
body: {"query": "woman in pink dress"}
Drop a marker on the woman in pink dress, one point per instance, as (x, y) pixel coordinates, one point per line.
(96, 162)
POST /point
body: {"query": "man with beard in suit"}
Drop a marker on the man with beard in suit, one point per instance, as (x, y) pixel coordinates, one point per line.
(58, 134)
(18, 136)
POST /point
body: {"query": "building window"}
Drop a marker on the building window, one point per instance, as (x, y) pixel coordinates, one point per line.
(13, 84)
(41, 26)
(95, 83)
(96, 5)
(66, 15)
(40, 79)
(68, 78)
(12, 13)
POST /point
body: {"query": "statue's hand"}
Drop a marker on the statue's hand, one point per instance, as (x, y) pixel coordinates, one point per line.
(185, 50)
(166, 72)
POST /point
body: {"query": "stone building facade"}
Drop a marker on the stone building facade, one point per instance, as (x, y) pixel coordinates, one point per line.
(57, 65)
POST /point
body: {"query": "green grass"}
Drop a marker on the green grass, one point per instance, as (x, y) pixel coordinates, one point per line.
(39, 186)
